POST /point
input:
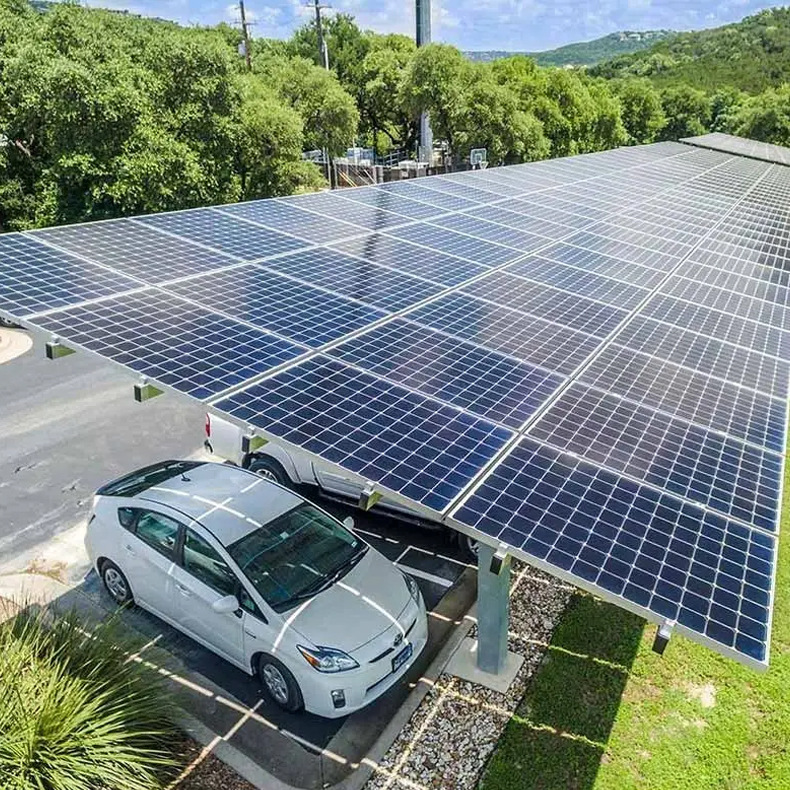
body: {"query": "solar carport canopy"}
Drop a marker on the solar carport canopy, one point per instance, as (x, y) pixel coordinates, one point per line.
(584, 360)
(731, 144)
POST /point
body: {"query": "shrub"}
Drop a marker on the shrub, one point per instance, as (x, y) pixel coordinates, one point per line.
(75, 713)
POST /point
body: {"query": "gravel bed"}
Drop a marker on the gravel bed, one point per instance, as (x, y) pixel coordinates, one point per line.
(451, 735)
(206, 772)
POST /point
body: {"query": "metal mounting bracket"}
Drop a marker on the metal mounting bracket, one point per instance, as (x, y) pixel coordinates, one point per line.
(663, 635)
(369, 496)
(144, 391)
(55, 349)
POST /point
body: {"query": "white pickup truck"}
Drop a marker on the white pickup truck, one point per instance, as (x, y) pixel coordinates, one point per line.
(289, 468)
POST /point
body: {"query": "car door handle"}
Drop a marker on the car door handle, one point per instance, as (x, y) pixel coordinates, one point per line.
(130, 550)
(250, 634)
(185, 591)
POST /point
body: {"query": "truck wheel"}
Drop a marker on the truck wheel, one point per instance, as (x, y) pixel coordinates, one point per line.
(468, 547)
(271, 470)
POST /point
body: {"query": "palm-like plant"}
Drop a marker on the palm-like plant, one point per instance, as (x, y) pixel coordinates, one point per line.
(75, 712)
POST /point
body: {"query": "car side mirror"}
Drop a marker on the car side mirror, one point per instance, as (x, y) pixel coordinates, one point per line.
(348, 522)
(226, 605)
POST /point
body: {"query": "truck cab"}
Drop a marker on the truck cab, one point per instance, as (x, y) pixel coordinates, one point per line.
(291, 468)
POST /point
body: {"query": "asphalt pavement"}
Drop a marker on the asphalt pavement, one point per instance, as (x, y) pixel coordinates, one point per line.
(67, 426)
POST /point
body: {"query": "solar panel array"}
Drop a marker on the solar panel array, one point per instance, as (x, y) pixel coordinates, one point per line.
(742, 146)
(582, 359)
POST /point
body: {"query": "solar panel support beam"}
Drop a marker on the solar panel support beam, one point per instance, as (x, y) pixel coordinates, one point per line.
(493, 589)
(55, 349)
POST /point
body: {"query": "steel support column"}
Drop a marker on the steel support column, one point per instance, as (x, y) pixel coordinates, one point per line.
(493, 587)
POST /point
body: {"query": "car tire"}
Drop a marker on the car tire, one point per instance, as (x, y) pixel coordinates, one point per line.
(468, 547)
(279, 684)
(271, 470)
(116, 584)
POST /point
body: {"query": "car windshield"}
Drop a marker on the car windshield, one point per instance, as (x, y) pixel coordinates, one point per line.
(296, 555)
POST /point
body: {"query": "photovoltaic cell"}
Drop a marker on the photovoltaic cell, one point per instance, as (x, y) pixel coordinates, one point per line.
(241, 239)
(643, 547)
(767, 291)
(620, 249)
(476, 250)
(364, 215)
(730, 328)
(432, 197)
(742, 146)
(709, 402)
(358, 279)
(568, 309)
(34, 277)
(695, 463)
(496, 387)
(500, 234)
(413, 445)
(525, 337)
(134, 249)
(387, 201)
(594, 286)
(709, 355)
(288, 218)
(287, 307)
(172, 341)
(411, 259)
(728, 302)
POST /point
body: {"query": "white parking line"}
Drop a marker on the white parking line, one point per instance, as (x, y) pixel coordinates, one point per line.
(429, 577)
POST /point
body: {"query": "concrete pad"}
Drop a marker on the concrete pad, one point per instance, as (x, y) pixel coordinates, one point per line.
(463, 664)
(13, 343)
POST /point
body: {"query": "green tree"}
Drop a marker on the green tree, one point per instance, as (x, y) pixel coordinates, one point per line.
(725, 103)
(764, 117)
(329, 113)
(687, 111)
(642, 113)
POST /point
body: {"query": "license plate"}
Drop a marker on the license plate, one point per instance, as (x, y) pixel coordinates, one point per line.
(402, 657)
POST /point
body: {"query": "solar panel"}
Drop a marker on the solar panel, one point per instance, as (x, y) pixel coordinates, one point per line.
(420, 447)
(584, 358)
(282, 305)
(356, 278)
(171, 341)
(741, 146)
(221, 232)
(409, 258)
(34, 278)
(134, 249)
(493, 386)
(647, 549)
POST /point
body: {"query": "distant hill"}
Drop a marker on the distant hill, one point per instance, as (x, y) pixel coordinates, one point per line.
(584, 53)
(753, 54)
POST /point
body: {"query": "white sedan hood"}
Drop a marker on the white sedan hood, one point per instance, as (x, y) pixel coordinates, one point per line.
(357, 608)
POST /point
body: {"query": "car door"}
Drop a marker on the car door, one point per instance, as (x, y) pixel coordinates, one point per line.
(200, 578)
(148, 554)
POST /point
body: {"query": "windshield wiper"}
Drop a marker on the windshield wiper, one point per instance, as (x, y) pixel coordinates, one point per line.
(323, 583)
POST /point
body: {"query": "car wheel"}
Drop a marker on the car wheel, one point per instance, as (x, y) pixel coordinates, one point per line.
(280, 685)
(116, 583)
(271, 470)
(468, 547)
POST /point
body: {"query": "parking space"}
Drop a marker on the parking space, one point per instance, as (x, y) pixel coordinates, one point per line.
(82, 413)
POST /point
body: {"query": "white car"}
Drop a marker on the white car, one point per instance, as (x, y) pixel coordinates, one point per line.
(286, 467)
(263, 578)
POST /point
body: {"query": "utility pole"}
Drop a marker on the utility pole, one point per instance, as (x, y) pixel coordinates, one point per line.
(323, 52)
(245, 32)
(323, 58)
(423, 37)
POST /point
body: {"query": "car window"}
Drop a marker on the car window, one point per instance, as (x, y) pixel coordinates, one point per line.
(246, 603)
(205, 563)
(126, 516)
(158, 531)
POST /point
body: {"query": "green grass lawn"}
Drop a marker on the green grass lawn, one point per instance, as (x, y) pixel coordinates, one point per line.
(606, 713)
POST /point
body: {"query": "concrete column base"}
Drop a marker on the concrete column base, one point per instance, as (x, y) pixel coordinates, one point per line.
(463, 664)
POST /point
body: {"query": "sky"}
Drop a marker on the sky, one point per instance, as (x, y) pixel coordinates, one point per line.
(517, 25)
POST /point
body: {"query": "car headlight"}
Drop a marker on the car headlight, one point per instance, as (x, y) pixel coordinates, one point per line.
(328, 659)
(414, 590)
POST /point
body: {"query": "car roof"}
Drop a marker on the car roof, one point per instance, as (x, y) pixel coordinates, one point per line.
(228, 501)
